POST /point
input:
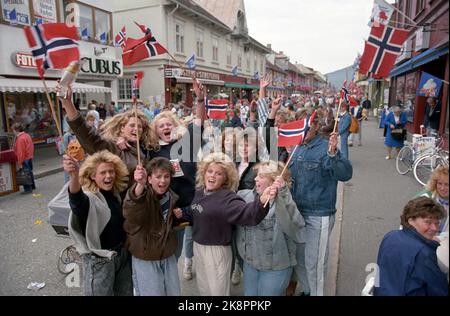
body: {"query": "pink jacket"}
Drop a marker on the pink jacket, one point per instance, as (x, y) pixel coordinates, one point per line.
(24, 147)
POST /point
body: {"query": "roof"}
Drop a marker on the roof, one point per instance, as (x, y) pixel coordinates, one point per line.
(274, 67)
(29, 85)
(192, 5)
(226, 11)
(318, 75)
(305, 70)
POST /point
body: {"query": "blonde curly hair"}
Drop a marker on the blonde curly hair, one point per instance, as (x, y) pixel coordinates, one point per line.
(89, 168)
(220, 159)
(111, 129)
(441, 171)
(177, 125)
(273, 169)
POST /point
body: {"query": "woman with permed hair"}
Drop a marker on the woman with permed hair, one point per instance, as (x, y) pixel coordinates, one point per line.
(96, 223)
(216, 208)
(407, 258)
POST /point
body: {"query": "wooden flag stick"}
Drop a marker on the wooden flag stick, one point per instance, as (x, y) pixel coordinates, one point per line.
(337, 117)
(138, 145)
(52, 108)
(285, 168)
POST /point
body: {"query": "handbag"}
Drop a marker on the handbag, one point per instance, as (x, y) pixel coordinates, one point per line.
(23, 177)
(398, 133)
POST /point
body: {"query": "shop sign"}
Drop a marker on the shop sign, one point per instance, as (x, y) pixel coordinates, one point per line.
(16, 11)
(176, 73)
(45, 10)
(5, 177)
(23, 60)
(102, 67)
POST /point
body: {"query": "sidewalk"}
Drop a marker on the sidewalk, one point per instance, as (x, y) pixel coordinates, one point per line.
(46, 161)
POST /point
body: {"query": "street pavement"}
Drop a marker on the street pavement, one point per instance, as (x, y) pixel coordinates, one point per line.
(373, 202)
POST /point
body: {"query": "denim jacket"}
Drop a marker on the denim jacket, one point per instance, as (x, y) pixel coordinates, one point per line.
(344, 124)
(271, 245)
(315, 177)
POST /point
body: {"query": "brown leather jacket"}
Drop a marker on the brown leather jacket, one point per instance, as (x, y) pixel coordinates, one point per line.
(150, 237)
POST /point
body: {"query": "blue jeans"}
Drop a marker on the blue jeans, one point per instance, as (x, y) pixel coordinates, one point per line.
(299, 274)
(315, 256)
(28, 164)
(156, 278)
(265, 283)
(180, 238)
(104, 277)
(188, 244)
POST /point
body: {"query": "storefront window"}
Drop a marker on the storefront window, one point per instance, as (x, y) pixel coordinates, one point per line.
(16, 12)
(410, 95)
(33, 111)
(102, 25)
(400, 93)
(125, 89)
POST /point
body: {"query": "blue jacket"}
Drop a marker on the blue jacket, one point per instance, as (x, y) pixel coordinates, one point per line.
(408, 266)
(344, 124)
(315, 177)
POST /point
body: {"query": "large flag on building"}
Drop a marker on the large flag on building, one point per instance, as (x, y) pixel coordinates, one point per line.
(292, 134)
(53, 45)
(381, 13)
(217, 109)
(121, 38)
(381, 51)
(139, 49)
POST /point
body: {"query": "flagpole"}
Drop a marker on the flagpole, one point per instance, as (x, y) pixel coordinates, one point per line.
(52, 108)
(404, 15)
(285, 168)
(138, 145)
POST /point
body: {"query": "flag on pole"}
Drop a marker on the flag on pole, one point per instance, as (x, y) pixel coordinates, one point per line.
(146, 30)
(256, 75)
(103, 38)
(191, 62)
(84, 34)
(217, 109)
(121, 38)
(348, 98)
(137, 84)
(13, 17)
(235, 71)
(38, 21)
(381, 51)
(381, 13)
(53, 45)
(292, 134)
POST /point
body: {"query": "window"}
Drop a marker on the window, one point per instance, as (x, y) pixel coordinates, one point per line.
(247, 62)
(229, 53)
(255, 64)
(21, 8)
(200, 40)
(240, 58)
(125, 89)
(261, 69)
(419, 6)
(215, 48)
(179, 31)
(102, 25)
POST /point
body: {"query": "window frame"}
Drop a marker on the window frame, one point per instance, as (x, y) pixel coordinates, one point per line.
(229, 53)
(125, 86)
(179, 35)
(215, 48)
(200, 45)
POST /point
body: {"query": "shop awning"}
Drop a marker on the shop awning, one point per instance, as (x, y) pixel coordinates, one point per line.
(241, 86)
(28, 85)
(422, 59)
(203, 81)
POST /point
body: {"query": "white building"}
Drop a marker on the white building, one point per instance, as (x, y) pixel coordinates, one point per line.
(184, 28)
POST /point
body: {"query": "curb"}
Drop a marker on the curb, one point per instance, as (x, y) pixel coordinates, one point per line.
(45, 173)
(334, 247)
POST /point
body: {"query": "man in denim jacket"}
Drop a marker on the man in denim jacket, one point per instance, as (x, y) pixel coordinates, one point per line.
(316, 168)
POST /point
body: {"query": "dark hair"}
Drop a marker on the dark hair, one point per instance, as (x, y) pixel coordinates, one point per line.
(421, 207)
(19, 127)
(159, 163)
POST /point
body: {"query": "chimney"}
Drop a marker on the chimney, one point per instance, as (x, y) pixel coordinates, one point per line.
(281, 52)
(269, 46)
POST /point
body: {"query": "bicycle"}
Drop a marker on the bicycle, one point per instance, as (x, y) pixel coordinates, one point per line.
(426, 164)
(405, 159)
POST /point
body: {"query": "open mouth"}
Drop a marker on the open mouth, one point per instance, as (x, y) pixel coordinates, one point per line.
(108, 182)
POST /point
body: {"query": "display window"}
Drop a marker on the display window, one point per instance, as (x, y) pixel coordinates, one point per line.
(410, 95)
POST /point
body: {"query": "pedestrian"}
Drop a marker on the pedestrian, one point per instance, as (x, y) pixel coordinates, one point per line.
(93, 111)
(96, 223)
(397, 119)
(357, 112)
(149, 221)
(102, 111)
(269, 249)
(367, 105)
(407, 258)
(316, 168)
(345, 121)
(24, 150)
(432, 116)
(215, 210)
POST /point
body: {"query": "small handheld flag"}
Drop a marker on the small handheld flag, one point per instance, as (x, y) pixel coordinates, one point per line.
(217, 109)
(121, 38)
(191, 62)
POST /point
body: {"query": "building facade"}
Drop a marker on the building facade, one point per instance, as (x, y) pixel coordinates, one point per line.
(426, 50)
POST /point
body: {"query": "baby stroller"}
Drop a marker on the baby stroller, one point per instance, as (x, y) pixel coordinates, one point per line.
(58, 217)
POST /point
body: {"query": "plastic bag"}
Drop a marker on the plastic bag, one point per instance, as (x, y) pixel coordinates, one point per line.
(59, 211)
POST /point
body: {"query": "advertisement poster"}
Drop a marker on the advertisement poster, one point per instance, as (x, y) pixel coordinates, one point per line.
(16, 11)
(45, 11)
(5, 177)
(430, 86)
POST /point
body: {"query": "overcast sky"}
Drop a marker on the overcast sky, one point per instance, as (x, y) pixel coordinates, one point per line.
(323, 34)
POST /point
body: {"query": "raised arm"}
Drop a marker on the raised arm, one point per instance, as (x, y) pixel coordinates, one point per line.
(200, 111)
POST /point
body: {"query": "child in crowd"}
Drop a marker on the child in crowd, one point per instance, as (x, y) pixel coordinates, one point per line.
(149, 222)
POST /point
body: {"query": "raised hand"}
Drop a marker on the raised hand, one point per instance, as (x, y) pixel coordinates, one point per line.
(276, 104)
(269, 194)
(71, 166)
(199, 90)
(279, 183)
(265, 81)
(140, 175)
(122, 144)
(332, 143)
(178, 213)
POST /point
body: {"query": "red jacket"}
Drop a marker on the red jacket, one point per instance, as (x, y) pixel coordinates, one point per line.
(23, 147)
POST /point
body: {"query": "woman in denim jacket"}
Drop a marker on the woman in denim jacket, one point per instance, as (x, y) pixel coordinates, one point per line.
(316, 168)
(269, 249)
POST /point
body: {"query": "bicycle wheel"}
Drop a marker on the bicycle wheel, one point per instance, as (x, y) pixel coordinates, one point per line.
(425, 166)
(405, 160)
(67, 256)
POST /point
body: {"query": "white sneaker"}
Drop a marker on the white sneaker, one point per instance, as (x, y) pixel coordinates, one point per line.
(187, 271)
(236, 276)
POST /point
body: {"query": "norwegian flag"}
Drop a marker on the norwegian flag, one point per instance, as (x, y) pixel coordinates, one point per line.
(52, 45)
(348, 98)
(121, 38)
(217, 109)
(381, 50)
(292, 134)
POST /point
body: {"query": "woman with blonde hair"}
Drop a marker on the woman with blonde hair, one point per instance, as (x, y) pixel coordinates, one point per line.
(215, 210)
(269, 249)
(117, 133)
(96, 223)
